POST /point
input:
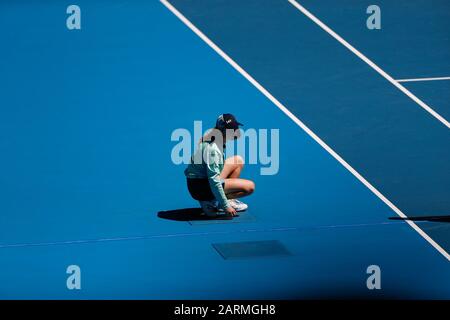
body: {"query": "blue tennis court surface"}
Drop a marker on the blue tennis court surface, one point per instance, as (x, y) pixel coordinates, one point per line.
(86, 118)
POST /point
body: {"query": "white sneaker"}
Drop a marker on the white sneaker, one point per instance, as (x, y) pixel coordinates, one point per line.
(209, 207)
(237, 205)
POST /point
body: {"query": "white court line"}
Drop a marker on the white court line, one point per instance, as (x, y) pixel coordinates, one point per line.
(269, 96)
(423, 79)
(369, 62)
(193, 234)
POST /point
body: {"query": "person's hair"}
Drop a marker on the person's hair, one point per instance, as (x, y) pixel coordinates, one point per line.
(211, 134)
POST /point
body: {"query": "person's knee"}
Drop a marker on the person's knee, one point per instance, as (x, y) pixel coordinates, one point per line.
(250, 187)
(236, 160)
(240, 161)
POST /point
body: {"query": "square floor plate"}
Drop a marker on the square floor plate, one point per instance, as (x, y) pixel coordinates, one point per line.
(251, 249)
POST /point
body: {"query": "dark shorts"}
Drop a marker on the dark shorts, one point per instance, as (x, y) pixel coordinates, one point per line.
(200, 189)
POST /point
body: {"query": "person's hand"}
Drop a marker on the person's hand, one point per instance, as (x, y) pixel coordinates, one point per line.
(231, 211)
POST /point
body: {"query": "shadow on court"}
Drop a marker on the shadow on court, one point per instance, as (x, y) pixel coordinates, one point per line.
(187, 214)
(425, 218)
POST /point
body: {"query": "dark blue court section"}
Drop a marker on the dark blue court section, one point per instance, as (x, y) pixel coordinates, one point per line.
(434, 93)
(413, 40)
(85, 124)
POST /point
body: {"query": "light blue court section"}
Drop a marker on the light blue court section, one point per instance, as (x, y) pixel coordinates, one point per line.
(413, 40)
(390, 140)
(85, 124)
(87, 148)
(188, 267)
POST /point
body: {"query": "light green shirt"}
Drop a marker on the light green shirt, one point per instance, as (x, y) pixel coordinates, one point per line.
(207, 163)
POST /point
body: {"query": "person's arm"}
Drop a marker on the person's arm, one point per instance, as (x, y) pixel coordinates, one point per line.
(213, 173)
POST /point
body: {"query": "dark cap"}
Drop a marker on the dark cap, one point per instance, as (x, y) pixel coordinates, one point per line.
(227, 121)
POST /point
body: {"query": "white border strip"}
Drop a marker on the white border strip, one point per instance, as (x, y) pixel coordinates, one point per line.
(301, 125)
(423, 79)
(369, 62)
